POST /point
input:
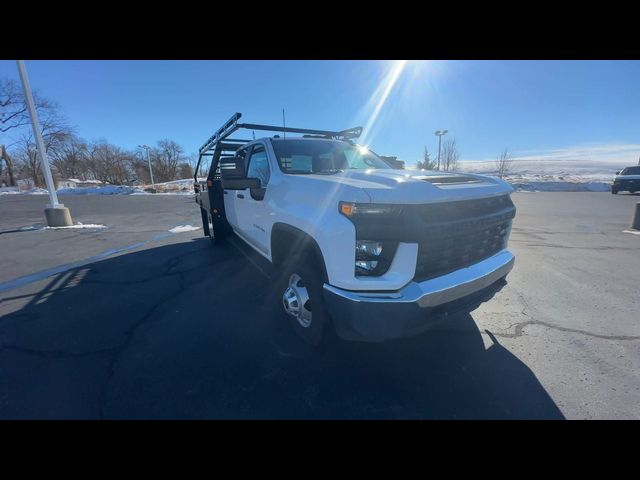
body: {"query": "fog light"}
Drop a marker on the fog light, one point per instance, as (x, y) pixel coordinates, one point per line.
(366, 266)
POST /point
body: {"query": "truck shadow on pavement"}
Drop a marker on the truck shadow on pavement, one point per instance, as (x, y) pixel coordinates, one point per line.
(189, 331)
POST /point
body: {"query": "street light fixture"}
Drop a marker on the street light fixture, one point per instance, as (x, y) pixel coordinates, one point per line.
(147, 148)
(439, 134)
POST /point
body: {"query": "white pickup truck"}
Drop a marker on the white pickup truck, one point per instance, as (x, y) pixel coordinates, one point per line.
(372, 251)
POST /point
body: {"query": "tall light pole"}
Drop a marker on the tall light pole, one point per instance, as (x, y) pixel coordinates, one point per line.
(147, 148)
(439, 134)
(56, 214)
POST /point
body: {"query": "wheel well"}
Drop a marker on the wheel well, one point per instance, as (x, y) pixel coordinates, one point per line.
(287, 241)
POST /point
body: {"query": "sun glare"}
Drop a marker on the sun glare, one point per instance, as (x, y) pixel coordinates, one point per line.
(403, 86)
(380, 96)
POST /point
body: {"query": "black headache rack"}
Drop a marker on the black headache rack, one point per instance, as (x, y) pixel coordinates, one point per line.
(221, 145)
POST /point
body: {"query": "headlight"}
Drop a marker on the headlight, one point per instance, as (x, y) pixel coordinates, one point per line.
(373, 257)
(350, 210)
(367, 248)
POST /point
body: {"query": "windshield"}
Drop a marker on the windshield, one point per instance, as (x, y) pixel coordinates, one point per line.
(323, 156)
(631, 171)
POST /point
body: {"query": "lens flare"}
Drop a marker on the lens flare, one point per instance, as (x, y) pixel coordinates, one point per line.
(379, 98)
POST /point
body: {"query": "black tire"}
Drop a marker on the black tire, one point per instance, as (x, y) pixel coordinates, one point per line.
(216, 235)
(306, 268)
(205, 223)
(614, 192)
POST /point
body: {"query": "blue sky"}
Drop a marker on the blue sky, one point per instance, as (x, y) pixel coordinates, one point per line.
(538, 109)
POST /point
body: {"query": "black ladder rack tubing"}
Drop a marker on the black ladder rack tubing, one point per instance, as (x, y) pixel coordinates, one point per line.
(215, 142)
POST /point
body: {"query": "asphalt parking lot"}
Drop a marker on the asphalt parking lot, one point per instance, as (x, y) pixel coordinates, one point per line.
(133, 321)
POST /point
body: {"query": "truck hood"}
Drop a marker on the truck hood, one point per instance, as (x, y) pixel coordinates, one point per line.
(627, 177)
(419, 186)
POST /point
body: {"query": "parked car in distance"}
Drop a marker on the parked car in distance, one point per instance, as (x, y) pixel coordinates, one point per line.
(628, 180)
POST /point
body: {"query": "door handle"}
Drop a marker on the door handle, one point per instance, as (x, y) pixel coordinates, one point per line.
(225, 192)
(240, 195)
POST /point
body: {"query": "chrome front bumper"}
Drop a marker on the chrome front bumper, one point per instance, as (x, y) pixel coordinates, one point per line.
(384, 315)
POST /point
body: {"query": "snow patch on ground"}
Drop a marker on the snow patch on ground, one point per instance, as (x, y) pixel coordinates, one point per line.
(183, 228)
(32, 191)
(553, 175)
(633, 232)
(179, 192)
(560, 186)
(185, 182)
(78, 225)
(551, 170)
(175, 187)
(106, 190)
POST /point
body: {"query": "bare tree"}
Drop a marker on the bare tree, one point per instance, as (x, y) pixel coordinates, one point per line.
(13, 115)
(450, 155)
(193, 161)
(70, 159)
(54, 135)
(504, 162)
(16, 132)
(109, 163)
(427, 163)
(4, 156)
(166, 158)
(139, 167)
(13, 110)
(185, 170)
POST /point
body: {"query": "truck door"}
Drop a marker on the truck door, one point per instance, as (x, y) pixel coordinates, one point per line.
(251, 207)
(230, 198)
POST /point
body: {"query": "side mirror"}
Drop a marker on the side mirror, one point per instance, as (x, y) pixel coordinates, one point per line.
(617, 173)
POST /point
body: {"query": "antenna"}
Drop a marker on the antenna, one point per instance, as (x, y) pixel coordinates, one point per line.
(284, 133)
(254, 134)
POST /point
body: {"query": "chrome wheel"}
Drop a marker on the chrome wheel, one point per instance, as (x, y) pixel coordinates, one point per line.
(296, 301)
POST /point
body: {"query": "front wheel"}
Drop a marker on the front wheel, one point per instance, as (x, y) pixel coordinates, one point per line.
(614, 192)
(303, 301)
